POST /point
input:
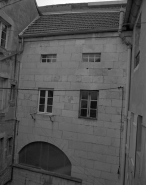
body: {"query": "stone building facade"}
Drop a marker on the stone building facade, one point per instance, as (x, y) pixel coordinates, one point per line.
(71, 98)
(10, 25)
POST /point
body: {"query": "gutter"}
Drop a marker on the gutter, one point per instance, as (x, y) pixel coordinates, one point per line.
(67, 33)
(132, 10)
(123, 163)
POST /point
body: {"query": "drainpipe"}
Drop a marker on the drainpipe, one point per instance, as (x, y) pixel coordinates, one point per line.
(123, 162)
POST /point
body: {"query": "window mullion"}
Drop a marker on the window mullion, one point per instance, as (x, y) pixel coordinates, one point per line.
(46, 97)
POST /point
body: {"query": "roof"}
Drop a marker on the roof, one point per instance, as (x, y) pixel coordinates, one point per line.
(71, 23)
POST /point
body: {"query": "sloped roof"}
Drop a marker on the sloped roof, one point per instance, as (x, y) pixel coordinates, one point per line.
(71, 23)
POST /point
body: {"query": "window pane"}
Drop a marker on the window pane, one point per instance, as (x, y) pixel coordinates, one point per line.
(93, 95)
(93, 105)
(97, 59)
(50, 93)
(3, 35)
(3, 43)
(56, 160)
(91, 59)
(33, 155)
(50, 101)
(84, 95)
(42, 100)
(44, 156)
(83, 104)
(43, 60)
(49, 108)
(42, 93)
(84, 112)
(41, 108)
(93, 113)
(48, 60)
(44, 56)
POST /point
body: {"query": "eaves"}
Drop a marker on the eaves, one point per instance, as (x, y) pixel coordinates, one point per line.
(68, 33)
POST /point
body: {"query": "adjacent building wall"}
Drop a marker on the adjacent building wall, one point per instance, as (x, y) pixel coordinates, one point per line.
(135, 173)
(91, 145)
(18, 14)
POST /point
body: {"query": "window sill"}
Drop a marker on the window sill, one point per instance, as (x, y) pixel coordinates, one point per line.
(45, 113)
(87, 118)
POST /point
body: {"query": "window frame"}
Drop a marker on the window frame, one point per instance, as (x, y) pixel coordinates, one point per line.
(49, 57)
(137, 46)
(2, 141)
(1, 30)
(89, 56)
(46, 97)
(9, 146)
(88, 104)
(3, 84)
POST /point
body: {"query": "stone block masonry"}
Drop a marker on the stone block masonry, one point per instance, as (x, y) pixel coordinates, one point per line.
(92, 145)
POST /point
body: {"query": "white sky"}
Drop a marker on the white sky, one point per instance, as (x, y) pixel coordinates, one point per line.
(51, 2)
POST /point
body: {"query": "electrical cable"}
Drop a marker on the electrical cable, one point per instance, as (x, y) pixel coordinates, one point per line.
(20, 89)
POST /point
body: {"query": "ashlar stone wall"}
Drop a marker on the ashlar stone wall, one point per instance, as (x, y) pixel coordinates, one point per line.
(91, 145)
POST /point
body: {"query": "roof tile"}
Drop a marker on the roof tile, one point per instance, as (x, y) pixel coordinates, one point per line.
(73, 22)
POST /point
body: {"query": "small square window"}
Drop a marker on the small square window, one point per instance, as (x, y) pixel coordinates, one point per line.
(49, 58)
(88, 104)
(91, 57)
(9, 146)
(45, 101)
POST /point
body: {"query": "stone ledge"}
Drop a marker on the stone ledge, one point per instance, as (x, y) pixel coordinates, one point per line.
(47, 173)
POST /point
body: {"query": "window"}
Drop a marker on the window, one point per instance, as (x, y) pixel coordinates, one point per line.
(3, 93)
(9, 145)
(47, 157)
(3, 34)
(91, 57)
(45, 101)
(139, 134)
(137, 42)
(1, 152)
(88, 104)
(12, 92)
(49, 58)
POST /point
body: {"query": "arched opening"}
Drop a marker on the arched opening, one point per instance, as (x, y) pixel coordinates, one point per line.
(45, 156)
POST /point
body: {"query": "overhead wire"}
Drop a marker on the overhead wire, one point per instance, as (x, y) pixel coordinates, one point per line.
(45, 88)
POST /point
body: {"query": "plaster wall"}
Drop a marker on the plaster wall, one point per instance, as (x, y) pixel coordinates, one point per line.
(91, 145)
